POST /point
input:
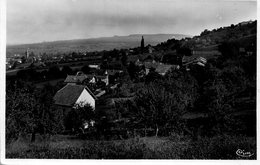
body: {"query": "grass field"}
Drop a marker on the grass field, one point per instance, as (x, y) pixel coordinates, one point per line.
(173, 147)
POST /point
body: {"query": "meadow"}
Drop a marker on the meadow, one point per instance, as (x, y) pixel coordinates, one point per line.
(172, 147)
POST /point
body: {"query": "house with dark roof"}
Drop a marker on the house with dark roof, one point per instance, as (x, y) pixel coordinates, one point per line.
(112, 72)
(76, 79)
(72, 79)
(80, 77)
(96, 78)
(72, 94)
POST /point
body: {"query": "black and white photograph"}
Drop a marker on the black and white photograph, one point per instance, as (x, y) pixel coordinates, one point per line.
(129, 80)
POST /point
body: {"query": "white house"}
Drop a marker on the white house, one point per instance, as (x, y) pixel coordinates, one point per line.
(94, 66)
(71, 95)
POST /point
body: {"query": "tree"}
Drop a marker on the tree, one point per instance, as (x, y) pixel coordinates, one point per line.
(205, 32)
(161, 103)
(173, 58)
(78, 117)
(86, 69)
(66, 70)
(28, 111)
(221, 92)
(23, 59)
(54, 72)
(124, 59)
(28, 75)
(229, 49)
(152, 76)
(132, 71)
(184, 51)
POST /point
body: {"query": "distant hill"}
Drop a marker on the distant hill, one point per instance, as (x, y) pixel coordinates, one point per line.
(209, 40)
(92, 44)
(242, 31)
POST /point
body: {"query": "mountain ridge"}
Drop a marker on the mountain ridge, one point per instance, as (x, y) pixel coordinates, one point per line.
(92, 44)
(95, 38)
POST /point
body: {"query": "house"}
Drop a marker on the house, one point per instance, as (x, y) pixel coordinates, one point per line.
(246, 22)
(150, 49)
(160, 68)
(112, 72)
(94, 66)
(96, 78)
(194, 60)
(80, 77)
(71, 95)
(75, 79)
(138, 62)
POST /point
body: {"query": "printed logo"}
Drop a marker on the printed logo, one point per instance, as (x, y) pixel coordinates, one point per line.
(244, 154)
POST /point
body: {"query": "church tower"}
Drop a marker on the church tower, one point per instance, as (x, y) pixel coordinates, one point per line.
(142, 45)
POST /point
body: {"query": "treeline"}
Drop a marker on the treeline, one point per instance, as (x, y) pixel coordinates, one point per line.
(30, 110)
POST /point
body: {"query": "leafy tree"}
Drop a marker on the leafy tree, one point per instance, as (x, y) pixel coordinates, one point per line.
(124, 59)
(78, 117)
(152, 76)
(132, 71)
(185, 51)
(221, 92)
(229, 49)
(205, 32)
(66, 70)
(23, 59)
(54, 72)
(31, 112)
(173, 58)
(28, 75)
(162, 103)
(86, 69)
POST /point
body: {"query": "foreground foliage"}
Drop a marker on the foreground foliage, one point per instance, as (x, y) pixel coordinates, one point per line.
(178, 147)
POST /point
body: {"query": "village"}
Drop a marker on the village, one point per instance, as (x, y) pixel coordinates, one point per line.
(178, 91)
(82, 89)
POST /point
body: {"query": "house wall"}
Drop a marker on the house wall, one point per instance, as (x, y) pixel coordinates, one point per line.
(85, 98)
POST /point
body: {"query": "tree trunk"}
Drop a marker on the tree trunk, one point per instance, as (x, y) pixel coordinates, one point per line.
(33, 136)
(157, 130)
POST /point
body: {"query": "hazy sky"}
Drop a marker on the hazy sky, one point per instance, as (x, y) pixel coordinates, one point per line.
(47, 20)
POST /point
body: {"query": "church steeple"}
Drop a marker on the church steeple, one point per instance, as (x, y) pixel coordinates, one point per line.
(142, 45)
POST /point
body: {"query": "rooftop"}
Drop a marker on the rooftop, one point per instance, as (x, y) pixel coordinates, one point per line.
(75, 79)
(159, 67)
(68, 95)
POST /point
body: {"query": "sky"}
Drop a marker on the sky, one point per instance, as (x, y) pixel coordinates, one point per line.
(30, 21)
